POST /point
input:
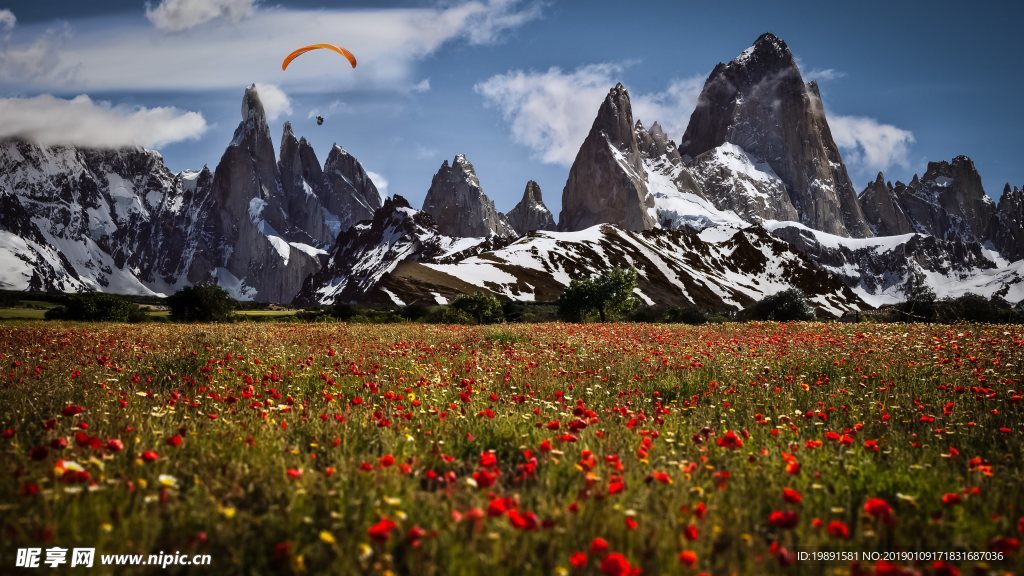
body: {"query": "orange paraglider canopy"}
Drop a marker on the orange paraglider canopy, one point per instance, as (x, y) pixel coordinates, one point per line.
(351, 58)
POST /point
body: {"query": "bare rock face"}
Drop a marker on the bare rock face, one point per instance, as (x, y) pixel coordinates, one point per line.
(608, 181)
(883, 210)
(348, 194)
(459, 206)
(243, 245)
(760, 103)
(531, 213)
(948, 202)
(1008, 224)
(303, 184)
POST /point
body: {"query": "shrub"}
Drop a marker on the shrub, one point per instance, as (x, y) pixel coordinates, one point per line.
(974, 308)
(686, 314)
(788, 305)
(920, 303)
(415, 312)
(343, 310)
(206, 303)
(97, 307)
(448, 315)
(483, 307)
(609, 294)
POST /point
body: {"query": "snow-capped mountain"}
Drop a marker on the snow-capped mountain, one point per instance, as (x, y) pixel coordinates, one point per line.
(760, 103)
(755, 200)
(401, 257)
(82, 219)
(119, 221)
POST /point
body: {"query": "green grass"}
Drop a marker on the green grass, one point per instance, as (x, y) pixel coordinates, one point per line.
(22, 313)
(266, 313)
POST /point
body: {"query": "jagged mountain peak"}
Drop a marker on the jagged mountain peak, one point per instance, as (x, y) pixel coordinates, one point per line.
(396, 201)
(530, 213)
(768, 52)
(532, 193)
(760, 103)
(459, 205)
(607, 181)
(252, 106)
(615, 117)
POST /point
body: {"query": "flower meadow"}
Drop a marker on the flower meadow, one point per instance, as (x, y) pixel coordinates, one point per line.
(610, 449)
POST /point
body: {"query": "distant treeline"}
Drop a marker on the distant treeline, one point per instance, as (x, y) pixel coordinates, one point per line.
(610, 297)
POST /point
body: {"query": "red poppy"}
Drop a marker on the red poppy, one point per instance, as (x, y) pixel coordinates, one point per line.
(837, 529)
(149, 456)
(598, 546)
(688, 558)
(386, 461)
(791, 496)
(488, 459)
(381, 531)
(951, 499)
(616, 564)
(940, 568)
(730, 440)
(414, 536)
(578, 560)
(484, 478)
(690, 532)
(174, 440)
(294, 473)
(1004, 544)
(525, 521)
(616, 485)
(878, 509)
(783, 519)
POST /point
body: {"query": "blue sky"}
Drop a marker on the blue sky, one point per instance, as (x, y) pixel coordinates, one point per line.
(513, 84)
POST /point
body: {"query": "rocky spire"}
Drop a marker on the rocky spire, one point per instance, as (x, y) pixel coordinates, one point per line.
(244, 243)
(531, 213)
(305, 212)
(607, 182)
(459, 206)
(882, 209)
(759, 102)
(948, 202)
(1008, 224)
(348, 192)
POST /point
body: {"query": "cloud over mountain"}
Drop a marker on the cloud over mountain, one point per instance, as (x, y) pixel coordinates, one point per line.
(82, 121)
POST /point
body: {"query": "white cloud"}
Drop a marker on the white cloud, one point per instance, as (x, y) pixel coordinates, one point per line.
(81, 121)
(275, 102)
(491, 19)
(421, 86)
(869, 145)
(178, 15)
(826, 75)
(38, 60)
(125, 54)
(379, 181)
(551, 112)
(671, 107)
(7, 20)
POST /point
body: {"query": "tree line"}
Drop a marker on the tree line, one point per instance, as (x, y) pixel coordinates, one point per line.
(601, 298)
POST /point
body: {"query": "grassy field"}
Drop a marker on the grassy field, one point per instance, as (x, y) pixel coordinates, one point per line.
(521, 449)
(22, 313)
